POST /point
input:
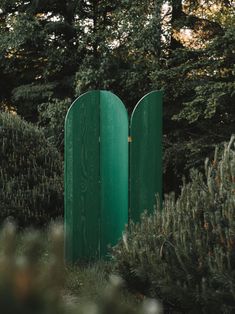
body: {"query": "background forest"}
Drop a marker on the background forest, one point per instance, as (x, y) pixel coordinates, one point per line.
(52, 51)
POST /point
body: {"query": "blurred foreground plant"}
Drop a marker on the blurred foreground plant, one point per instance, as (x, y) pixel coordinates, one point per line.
(27, 283)
(185, 254)
(33, 284)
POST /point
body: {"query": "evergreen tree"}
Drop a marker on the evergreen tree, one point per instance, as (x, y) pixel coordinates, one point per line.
(38, 52)
(197, 78)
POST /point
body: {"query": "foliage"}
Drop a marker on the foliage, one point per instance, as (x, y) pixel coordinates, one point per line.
(185, 254)
(120, 48)
(214, 94)
(52, 119)
(38, 53)
(31, 180)
(29, 283)
(200, 84)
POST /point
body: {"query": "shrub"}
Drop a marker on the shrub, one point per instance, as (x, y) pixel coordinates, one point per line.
(185, 254)
(52, 118)
(31, 181)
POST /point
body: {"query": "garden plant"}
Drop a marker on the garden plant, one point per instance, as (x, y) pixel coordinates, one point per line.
(184, 253)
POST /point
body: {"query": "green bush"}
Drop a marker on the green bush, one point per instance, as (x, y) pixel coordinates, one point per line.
(51, 119)
(31, 173)
(185, 254)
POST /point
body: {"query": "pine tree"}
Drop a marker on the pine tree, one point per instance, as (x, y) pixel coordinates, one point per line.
(39, 52)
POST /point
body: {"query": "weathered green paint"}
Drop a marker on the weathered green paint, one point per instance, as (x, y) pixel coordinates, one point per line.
(95, 179)
(145, 154)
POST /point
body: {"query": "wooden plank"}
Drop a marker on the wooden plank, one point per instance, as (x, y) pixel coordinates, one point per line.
(82, 179)
(145, 154)
(114, 168)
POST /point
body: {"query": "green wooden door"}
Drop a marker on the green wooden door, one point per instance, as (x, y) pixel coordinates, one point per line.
(145, 154)
(95, 178)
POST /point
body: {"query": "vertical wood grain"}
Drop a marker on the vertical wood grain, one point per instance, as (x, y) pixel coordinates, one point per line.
(145, 154)
(82, 179)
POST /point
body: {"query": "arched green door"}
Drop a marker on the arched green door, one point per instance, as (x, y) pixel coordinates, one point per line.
(96, 174)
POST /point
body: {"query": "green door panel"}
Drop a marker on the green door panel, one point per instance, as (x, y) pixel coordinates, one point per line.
(96, 175)
(82, 178)
(145, 154)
